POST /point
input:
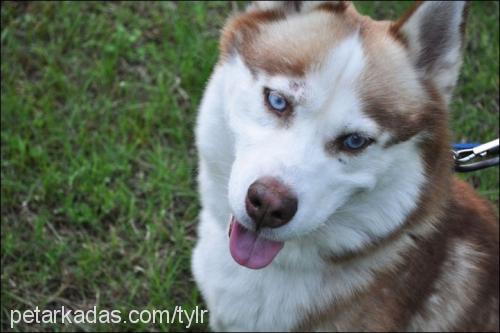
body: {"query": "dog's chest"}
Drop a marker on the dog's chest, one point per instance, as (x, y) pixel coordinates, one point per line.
(254, 300)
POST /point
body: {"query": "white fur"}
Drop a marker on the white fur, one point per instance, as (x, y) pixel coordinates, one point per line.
(344, 201)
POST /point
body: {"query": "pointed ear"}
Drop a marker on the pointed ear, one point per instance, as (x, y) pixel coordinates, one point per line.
(433, 32)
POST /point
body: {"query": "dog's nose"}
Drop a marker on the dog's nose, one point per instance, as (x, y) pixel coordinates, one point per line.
(270, 203)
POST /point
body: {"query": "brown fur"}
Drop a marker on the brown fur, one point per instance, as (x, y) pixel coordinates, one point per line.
(395, 28)
(244, 27)
(249, 35)
(396, 296)
(334, 6)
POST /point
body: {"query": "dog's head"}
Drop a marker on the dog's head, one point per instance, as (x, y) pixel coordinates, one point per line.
(339, 120)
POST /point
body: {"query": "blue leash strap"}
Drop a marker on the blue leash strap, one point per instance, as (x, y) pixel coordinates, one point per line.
(473, 156)
(466, 145)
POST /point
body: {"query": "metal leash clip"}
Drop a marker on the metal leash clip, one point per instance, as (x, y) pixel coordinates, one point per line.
(486, 154)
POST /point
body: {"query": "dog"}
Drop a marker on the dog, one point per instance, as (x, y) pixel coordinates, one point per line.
(325, 176)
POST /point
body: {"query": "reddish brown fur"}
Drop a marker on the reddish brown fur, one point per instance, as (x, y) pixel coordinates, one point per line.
(244, 27)
(336, 7)
(246, 34)
(395, 28)
(390, 303)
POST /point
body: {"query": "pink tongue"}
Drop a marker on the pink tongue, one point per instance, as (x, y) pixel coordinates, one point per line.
(249, 249)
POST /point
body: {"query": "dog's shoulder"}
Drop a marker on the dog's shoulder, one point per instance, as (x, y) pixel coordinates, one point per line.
(472, 218)
(468, 274)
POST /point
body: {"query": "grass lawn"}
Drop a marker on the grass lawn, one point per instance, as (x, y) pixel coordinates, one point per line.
(98, 190)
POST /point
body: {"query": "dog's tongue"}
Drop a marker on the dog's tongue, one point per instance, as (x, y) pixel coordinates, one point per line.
(249, 249)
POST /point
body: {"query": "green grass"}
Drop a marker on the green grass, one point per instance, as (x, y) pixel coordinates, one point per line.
(98, 193)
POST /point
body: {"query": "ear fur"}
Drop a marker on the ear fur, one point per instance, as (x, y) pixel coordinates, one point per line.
(433, 32)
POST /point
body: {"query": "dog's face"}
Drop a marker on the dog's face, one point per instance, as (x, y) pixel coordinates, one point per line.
(338, 109)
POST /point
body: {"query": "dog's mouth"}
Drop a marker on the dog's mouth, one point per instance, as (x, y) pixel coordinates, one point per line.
(249, 248)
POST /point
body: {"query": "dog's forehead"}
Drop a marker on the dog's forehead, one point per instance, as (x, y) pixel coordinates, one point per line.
(293, 44)
(339, 55)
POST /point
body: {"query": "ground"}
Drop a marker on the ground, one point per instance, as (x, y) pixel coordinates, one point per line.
(98, 191)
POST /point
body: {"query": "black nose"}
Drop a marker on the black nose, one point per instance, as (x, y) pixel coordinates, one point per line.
(270, 203)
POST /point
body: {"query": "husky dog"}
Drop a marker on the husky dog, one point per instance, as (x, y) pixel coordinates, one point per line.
(325, 176)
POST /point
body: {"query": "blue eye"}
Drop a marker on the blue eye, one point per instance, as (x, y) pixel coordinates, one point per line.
(276, 101)
(355, 141)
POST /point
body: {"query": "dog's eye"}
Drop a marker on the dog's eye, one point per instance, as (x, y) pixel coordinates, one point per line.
(276, 101)
(356, 141)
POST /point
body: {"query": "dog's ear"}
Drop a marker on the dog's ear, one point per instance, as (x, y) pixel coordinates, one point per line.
(293, 7)
(433, 32)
